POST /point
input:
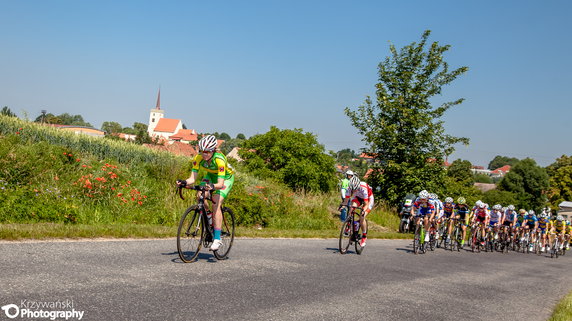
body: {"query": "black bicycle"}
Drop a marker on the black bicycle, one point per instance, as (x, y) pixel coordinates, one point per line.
(351, 231)
(196, 230)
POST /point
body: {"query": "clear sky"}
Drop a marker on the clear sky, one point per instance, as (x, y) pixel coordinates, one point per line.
(243, 66)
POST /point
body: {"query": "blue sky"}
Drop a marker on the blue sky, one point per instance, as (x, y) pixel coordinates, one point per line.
(243, 66)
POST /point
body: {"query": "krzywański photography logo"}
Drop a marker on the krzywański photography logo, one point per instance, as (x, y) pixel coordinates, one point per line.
(37, 310)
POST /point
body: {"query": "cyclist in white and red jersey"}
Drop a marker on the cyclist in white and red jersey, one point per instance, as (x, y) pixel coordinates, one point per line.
(361, 194)
(481, 215)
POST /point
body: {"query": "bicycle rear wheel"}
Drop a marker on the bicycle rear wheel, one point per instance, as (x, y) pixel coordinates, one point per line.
(345, 235)
(190, 234)
(226, 234)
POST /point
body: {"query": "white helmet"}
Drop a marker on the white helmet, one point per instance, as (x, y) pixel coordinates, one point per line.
(479, 203)
(497, 207)
(560, 218)
(543, 215)
(354, 183)
(449, 200)
(424, 194)
(349, 172)
(511, 207)
(531, 212)
(207, 143)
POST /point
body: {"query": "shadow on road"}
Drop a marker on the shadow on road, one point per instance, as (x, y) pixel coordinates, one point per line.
(201, 257)
(337, 251)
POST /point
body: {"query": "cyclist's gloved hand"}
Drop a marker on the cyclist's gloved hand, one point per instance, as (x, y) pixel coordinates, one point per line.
(181, 183)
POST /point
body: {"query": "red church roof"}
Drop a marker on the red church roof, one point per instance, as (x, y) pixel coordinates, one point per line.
(185, 134)
(167, 125)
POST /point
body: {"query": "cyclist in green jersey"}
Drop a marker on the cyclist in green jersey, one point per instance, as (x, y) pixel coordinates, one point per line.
(218, 177)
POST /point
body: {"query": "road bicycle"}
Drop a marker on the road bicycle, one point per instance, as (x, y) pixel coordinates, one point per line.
(477, 239)
(457, 235)
(196, 229)
(558, 248)
(443, 229)
(419, 244)
(351, 231)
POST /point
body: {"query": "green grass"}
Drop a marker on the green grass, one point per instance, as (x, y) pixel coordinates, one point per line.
(563, 311)
(47, 231)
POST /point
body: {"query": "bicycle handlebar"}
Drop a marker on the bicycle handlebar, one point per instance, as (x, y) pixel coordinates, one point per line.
(200, 188)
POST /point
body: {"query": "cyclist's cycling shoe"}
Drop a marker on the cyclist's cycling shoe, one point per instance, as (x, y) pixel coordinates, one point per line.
(216, 245)
(362, 242)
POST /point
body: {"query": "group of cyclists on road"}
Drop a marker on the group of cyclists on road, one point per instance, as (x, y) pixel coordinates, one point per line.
(489, 224)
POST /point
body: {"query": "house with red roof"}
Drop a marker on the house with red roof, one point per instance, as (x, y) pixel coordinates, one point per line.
(501, 171)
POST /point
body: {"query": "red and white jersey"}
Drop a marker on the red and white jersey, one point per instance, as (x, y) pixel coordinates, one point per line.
(364, 192)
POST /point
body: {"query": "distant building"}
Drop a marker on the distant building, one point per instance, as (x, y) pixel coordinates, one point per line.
(484, 187)
(168, 130)
(565, 209)
(500, 172)
(81, 130)
(480, 170)
(234, 154)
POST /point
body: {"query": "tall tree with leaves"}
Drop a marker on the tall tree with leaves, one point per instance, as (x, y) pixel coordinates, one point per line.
(460, 171)
(560, 173)
(529, 182)
(500, 161)
(401, 128)
(291, 156)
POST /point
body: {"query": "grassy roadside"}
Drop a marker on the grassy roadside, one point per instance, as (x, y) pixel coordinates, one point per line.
(47, 231)
(563, 310)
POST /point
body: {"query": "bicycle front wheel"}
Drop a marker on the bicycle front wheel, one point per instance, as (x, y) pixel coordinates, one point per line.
(345, 235)
(226, 234)
(190, 234)
(358, 234)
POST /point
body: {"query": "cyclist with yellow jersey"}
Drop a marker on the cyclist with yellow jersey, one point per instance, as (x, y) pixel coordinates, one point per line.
(218, 177)
(559, 227)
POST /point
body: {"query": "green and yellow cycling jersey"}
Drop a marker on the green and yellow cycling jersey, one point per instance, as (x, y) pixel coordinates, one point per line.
(217, 167)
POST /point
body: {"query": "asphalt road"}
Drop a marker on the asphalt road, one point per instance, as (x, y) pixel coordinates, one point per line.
(280, 279)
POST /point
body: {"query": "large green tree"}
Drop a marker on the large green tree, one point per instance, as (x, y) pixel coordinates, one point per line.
(401, 128)
(500, 161)
(560, 173)
(460, 171)
(111, 127)
(528, 182)
(291, 156)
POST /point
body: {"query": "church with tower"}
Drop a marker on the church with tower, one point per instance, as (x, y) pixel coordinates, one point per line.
(168, 130)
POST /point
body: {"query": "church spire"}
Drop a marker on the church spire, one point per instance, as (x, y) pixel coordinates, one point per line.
(158, 99)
